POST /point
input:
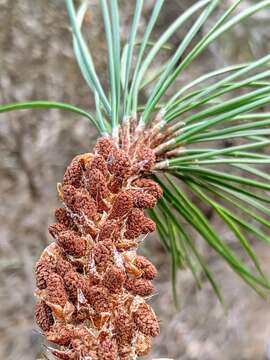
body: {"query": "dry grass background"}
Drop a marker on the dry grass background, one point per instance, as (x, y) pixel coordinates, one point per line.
(36, 62)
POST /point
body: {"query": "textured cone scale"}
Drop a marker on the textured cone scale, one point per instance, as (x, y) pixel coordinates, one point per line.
(92, 287)
(60, 334)
(56, 292)
(108, 350)
(149, 270)
(114, 278)
(44, 316)
(64, 218)
(43, 271)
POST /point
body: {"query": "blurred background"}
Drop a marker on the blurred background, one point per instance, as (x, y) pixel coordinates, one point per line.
(37, 62)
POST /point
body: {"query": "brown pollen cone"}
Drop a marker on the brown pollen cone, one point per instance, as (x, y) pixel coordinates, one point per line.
(92, 287)
(44, 316)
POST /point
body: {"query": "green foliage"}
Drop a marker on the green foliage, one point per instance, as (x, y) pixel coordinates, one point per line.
(217, 107)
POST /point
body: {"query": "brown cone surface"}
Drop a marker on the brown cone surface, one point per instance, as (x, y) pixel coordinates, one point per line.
(91, 286)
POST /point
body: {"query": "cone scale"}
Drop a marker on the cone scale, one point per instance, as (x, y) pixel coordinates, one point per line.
(92, 286)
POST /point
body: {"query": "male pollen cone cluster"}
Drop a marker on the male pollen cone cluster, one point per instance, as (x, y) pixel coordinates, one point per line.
(92, 286)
